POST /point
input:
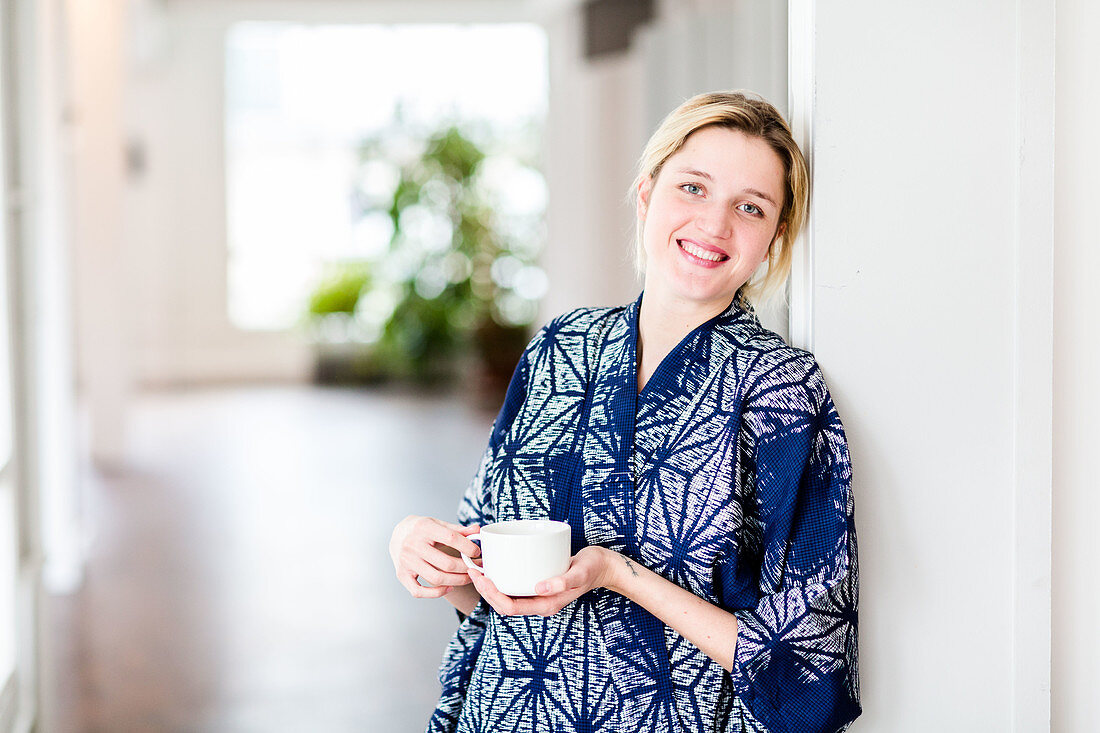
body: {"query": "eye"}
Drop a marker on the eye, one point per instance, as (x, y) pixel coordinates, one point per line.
(752, 209)
(693, 188)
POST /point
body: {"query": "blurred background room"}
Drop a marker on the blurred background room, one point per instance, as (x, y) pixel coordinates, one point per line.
(268, 265)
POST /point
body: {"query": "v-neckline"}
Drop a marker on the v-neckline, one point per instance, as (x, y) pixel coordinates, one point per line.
(664, 366)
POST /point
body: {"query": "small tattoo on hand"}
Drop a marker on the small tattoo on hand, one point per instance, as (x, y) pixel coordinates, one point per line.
(631, 566)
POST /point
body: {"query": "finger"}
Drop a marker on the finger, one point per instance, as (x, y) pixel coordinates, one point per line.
(435, 576)
(556, 603)
(443, 561)
(529, 606)
(522, 606)
(503, 604)
(542, 606)
(550, 587)
(579, 576)
(452, 536)
(575, 578)
(478, 580)
(464, 530)
(428, 559)
(419, 591)
(585, 570)
(550, 605)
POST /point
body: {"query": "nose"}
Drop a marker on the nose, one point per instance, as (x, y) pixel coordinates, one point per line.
(715, 221)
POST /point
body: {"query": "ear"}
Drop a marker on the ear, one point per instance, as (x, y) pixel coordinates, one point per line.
(778, 233)
(645, 189)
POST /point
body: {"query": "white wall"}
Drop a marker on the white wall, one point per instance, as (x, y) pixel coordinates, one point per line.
(594, 135)
(931, 318)
(176, 215)
(1075, 676)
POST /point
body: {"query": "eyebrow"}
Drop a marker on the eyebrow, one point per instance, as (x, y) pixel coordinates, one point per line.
(709, 177)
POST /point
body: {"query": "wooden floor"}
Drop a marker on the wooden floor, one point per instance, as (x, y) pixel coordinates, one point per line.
(239, 579)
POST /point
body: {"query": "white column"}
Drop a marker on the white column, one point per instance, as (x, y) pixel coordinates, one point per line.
(102, 274)
(1076, 552)
(930, 295)
(49, 287)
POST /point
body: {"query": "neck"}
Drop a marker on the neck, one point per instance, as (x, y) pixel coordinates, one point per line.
(662, 324)
(664, 321)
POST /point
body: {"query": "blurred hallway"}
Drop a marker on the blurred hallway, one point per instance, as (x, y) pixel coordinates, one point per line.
(239, 580)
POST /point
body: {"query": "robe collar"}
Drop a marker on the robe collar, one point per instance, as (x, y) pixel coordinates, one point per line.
(688, 363)
(608, 479)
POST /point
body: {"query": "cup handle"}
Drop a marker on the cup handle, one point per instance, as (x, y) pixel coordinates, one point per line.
(467, 560)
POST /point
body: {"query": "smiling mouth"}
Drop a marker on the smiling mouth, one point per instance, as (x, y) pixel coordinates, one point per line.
(704, 254)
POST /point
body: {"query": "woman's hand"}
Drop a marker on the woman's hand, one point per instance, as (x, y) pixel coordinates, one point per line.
(422, 547)
(590, 568)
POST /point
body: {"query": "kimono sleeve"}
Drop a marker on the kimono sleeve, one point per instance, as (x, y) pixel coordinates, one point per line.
(796, 665)
(476, 506)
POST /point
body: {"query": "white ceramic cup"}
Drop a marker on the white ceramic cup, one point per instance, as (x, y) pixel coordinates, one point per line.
(519, 554)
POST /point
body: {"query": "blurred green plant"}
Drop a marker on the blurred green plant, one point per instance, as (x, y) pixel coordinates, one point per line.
(339, 288)
(448, 277)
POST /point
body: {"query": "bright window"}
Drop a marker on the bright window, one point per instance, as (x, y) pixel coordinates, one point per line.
(299, 102)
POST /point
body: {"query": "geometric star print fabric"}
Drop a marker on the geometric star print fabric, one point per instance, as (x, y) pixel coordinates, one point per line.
(729, 476)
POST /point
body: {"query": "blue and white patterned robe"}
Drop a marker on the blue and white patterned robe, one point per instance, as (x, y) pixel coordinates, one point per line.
(729, 476)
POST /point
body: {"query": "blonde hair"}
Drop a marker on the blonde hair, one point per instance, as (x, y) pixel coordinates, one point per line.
(753, 115)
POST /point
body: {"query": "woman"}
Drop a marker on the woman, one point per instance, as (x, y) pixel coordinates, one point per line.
(700, 463)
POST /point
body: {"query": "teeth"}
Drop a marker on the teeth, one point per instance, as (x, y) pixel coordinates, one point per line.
(703, 254)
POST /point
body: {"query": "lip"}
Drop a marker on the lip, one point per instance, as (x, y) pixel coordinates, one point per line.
(699, 260)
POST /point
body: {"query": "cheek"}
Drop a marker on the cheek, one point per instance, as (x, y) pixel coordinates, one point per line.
(661, 222)
(761, 236)
(652, 231)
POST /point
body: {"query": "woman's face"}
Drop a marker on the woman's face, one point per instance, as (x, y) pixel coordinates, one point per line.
(710, 216)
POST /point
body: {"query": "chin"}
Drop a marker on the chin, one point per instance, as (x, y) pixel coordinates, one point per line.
(703, 288)
(689, 287)
(706, 296)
